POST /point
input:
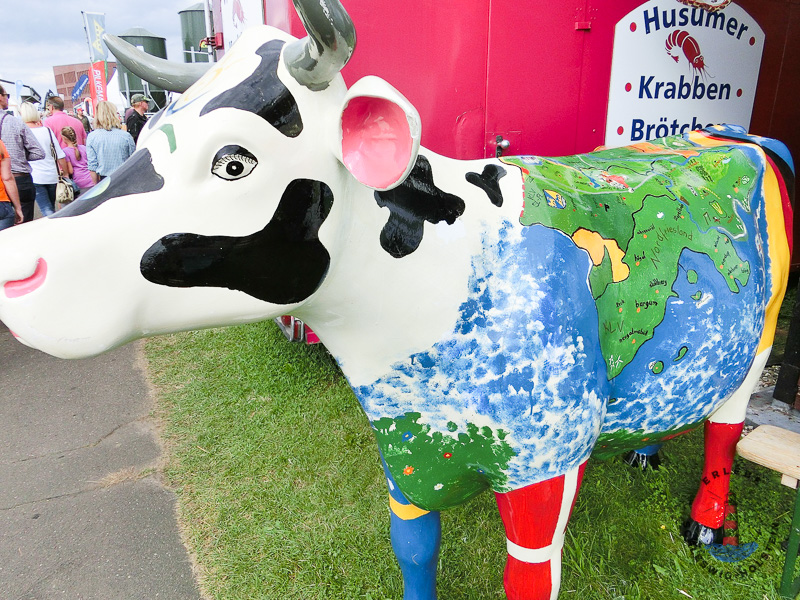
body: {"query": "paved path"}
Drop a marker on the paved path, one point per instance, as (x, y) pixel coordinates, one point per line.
(77, 520)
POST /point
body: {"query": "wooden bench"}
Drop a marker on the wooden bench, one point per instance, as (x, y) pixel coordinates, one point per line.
(779, 449)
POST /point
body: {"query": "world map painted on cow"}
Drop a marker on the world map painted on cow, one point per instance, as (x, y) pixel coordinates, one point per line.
(635, 214)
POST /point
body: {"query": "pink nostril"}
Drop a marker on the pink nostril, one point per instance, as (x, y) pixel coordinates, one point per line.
(15, 289)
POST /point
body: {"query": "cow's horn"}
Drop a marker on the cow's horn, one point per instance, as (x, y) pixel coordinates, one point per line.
(169, 75)
(316, 59)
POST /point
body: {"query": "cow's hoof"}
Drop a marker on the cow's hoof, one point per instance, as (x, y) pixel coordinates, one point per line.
(697, 534)
(643, 461)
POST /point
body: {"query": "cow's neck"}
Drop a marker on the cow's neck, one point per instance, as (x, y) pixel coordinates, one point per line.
(416, 294)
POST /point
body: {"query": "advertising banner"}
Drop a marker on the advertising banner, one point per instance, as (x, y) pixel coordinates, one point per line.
(81, 84)
(676, 68)
(95, 24)
(98, 89)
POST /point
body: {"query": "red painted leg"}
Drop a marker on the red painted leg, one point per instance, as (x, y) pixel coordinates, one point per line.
(709, 505)
(535, 518)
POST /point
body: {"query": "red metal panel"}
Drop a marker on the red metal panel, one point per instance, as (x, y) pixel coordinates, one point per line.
(295, 25)
(533, 85)
(434, 53)
(785, 122)
(595, 71)
(776, 112)
(772, 16)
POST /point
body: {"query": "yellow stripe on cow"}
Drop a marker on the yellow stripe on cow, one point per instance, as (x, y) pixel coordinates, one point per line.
(407, 512)
(778, 248)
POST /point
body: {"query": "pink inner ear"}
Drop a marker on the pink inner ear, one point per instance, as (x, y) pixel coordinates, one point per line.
(376, 141)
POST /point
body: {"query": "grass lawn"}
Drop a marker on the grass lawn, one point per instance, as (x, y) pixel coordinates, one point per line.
(281, 494)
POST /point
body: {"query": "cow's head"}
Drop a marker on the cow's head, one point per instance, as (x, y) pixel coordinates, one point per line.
(231, 208)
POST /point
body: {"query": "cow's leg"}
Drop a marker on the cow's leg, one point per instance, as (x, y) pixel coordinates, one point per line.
(722, 432)
(416, 534)
(535, 518)
(708, 508)
(644, 458)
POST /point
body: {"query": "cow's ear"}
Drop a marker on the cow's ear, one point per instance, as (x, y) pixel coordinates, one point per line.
(379, 133)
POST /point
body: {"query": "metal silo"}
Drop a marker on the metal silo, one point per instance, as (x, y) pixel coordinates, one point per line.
(129, 83)
(193, 29)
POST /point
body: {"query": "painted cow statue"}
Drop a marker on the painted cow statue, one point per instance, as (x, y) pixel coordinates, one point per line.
(533, 311)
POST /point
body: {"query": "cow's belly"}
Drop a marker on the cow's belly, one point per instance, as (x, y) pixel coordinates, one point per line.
(698, 356)
(514, 394)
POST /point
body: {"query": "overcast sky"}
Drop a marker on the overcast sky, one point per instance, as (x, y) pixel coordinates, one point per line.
(40, 34)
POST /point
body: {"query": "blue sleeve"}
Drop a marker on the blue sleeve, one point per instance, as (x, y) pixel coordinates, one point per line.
(91, 155)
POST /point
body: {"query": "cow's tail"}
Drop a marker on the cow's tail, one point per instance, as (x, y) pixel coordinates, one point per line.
(779, 191)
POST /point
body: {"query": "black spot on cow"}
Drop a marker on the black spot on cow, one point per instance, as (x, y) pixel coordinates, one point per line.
(488, 181)
(283, 263)
(136, 176)
(264, 94)
(412, 203)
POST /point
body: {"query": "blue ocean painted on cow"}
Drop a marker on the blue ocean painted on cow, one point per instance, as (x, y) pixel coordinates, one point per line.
(522, 367)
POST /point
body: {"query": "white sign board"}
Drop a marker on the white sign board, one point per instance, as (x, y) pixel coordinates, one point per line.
(676, 68)
(238, 15)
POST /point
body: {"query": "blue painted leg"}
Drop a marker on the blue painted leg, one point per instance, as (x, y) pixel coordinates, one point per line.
(416, 534)
(644, 458)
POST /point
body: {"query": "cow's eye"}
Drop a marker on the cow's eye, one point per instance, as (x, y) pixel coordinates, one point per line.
(233, 162)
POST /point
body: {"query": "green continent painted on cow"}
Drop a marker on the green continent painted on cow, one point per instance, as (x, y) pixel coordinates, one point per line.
(635, 210)
(438, 470)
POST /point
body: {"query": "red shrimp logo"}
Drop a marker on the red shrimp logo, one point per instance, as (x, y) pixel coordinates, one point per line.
(238, 11)
(680, 41)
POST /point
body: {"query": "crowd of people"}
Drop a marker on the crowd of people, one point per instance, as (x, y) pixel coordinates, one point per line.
(36, 151)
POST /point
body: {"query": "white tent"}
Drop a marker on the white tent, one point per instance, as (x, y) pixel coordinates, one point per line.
(114, 94)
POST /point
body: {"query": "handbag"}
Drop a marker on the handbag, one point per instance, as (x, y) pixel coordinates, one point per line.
(64, 192)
